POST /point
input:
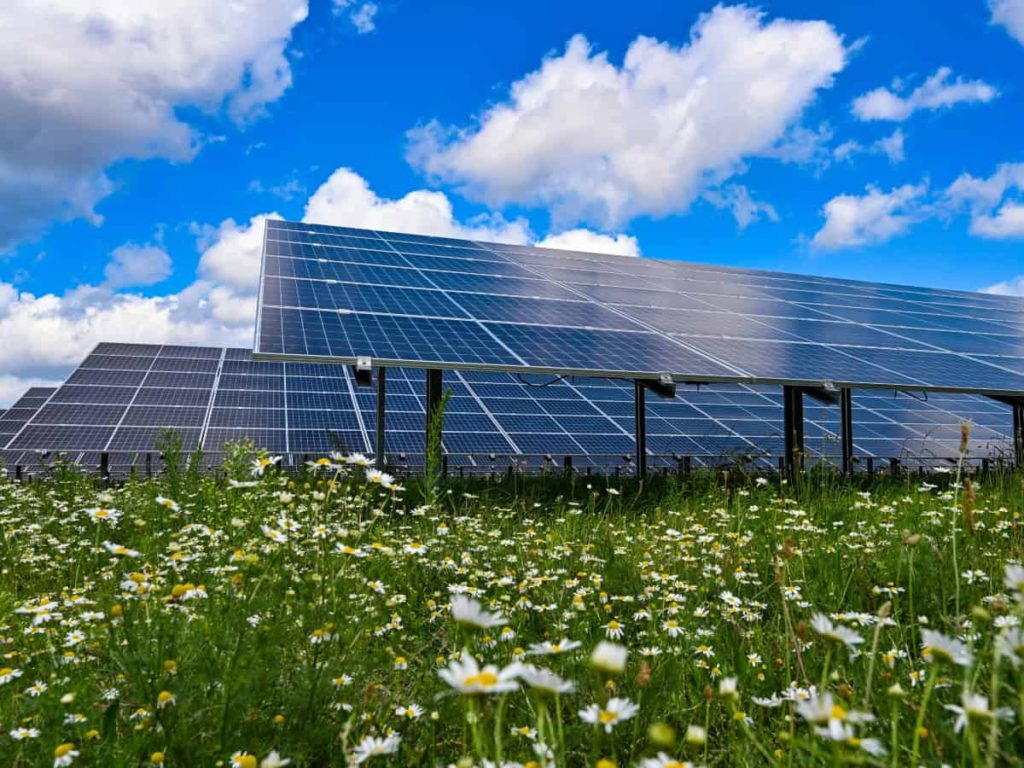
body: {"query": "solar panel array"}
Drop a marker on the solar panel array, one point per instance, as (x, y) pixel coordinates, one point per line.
(339, 293)
(123, 395)
(14, 418)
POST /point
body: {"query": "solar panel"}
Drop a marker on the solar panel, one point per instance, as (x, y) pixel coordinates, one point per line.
(24, 408)
(301, 408)
(338, 294)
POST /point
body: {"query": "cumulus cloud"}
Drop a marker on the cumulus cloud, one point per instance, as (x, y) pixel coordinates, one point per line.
(1009, 14)
(1011, 287)
(598, 142)
(994, 202)
(937, 92)
(46, 336)
(874, 217)
(85, 85)
(592, 242)
(137, 265)
(994, 206)
(346, 199)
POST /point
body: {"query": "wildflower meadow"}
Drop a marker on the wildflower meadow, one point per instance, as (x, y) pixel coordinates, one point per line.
(335, 617)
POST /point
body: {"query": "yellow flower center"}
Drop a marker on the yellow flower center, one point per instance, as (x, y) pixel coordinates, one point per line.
(483, 679)
(245, 761)
(100, 513)
(63, 749)
(606, 716)
(5, 671)
(837, 713)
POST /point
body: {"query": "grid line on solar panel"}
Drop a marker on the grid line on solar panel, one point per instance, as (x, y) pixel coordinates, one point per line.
(212, 396)
(149, 369)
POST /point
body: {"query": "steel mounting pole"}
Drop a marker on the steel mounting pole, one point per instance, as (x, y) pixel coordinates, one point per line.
(793, 416)
(433, 401)
(640, 434)
(846, 431)
(380, 451)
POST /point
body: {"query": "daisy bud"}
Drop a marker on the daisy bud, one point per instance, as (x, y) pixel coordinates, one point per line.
(727, 688)
(662, 735)
(609, 658)
(696, 736)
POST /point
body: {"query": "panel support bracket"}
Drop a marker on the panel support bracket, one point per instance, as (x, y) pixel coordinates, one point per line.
(1017, 405)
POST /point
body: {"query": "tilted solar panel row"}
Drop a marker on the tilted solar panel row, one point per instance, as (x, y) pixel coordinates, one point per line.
(340, 293)
(122, 397)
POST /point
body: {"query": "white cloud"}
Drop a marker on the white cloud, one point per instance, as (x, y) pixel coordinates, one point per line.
(46, 336)
(1011, 287)
(231, 252)
(597, 142)
(937, 92)
(892, 146)
(1010, 14)
(875, 217)
(137, 265)
(86, 84)
(737, 199)
(346, 199)
(592, 242)
(994, 203)
(1007, 222)
(362, 14)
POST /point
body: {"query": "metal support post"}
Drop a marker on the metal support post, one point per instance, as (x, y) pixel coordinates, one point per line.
(846, 436)
(793, 416)
(433, 399)
(379, 448)
(640, 419)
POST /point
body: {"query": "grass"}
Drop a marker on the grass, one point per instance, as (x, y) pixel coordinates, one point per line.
(201, 622)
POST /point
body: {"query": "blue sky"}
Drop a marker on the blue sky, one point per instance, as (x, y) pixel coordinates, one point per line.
(869, 140)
